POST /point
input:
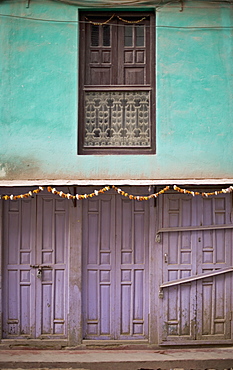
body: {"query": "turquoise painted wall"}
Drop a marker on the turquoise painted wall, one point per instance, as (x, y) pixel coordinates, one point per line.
(39, 94)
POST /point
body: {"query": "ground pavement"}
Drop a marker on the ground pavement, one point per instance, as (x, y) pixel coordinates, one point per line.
(118, 359)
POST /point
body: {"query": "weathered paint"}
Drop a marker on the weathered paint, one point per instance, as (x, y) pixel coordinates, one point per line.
(41, 228)
(115, 268)
(39, 85)
(199, 310)
(35, 301)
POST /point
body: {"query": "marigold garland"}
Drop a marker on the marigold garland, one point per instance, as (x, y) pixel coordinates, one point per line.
(118, 190)
(21, 196)
(78, 196)
(139, 197)
(203, 194)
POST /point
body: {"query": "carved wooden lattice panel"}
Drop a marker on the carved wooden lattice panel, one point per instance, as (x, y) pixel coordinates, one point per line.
(117, 119)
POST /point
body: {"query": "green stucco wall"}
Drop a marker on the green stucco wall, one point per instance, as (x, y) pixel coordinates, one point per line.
(39, 94)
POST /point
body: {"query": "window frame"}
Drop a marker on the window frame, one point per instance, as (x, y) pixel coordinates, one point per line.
(82, 88)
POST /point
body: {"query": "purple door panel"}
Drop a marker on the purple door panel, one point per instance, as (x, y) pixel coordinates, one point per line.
(35, 273)
(115, 268)
(197, 310)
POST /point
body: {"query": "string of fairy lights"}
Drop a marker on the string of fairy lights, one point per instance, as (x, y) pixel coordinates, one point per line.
(96, 193)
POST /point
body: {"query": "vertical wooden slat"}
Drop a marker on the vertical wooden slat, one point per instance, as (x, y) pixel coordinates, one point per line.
(74, 262)
(14, 238)
(47, 218)
(213, 305)
(139, 236)
(59, 302)
(125, 308)
(105, 309)
(105, 225)
(52, 290)
(185, 314)
(133, 313)
(138, 294)
(60, 231)
(93, 238)
(46, 314)
(25, 302)
(178, 262)
(93, 298)
(13, 297)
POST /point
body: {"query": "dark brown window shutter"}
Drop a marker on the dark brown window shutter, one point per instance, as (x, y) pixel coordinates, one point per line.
(117, 81)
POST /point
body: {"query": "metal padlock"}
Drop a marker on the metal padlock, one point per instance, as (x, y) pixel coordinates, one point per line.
(39, 272)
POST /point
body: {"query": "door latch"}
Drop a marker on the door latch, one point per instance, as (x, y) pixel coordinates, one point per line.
(39, 272)
(165, 257)
(39, 269)
(158, 238)
(161, 293)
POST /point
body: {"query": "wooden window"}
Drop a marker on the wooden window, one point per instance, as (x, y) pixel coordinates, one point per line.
(117, 83)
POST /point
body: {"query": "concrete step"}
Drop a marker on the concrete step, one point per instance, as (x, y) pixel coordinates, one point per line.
(169, 359)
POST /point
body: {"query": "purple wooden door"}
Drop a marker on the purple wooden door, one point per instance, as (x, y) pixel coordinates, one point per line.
(196, 242)
(19, 251)
(35, 234)
(214, 253)
(115, 268)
